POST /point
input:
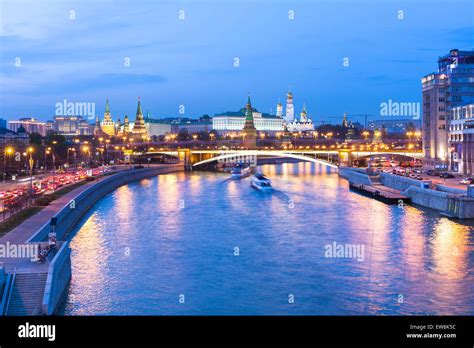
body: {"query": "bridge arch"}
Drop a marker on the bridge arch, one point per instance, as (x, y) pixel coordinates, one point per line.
(286, 154)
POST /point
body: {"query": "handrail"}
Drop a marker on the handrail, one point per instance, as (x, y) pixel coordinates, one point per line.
(9, 293)
(6, 289)
(37, 310)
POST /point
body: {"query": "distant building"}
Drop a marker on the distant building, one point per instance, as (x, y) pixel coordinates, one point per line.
(156, 127)
(72, 125)
(394, 126)
(203, 124)
(232, 122)
(3, 123)
(31, 125)
(9, 137)
(48, 126)
(304, 124)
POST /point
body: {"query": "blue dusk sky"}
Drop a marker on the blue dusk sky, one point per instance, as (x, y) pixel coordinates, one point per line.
(190, 61)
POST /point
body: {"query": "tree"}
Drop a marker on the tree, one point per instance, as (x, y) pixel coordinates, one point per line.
(203, 136)
(36, 139)
(183, 134)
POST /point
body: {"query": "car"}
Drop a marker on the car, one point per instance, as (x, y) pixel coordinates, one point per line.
(431, 172)
(446, 175)
(467, 181)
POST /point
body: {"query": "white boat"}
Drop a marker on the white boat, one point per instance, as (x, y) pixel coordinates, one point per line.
(261, 182)
(239, 172)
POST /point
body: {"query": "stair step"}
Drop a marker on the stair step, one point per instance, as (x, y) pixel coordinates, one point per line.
(27, 293)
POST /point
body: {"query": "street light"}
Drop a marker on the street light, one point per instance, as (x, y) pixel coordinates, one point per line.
(47, 151)
(31, 162)
(85, 149)
(8, 151)
(74, 153)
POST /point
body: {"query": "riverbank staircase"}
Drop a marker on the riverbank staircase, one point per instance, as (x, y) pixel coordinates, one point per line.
(23, 294)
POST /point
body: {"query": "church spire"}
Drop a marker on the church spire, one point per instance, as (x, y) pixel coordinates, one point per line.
(107, 108)
(248, 112)
(139, 109)
(345, 124)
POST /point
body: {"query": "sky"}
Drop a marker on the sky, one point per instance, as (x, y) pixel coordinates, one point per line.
(205, 57)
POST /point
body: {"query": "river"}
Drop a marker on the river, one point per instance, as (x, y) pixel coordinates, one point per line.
(201, 244)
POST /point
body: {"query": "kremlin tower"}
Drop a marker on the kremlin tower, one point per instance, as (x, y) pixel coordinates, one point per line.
(108, 126)
(97, 130)
(249, 131)
(126, 125)
(139, 132)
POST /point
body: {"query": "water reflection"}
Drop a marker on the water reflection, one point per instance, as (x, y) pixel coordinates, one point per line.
(182, 231)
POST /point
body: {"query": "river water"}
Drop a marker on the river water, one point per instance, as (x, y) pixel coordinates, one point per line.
(199, 243)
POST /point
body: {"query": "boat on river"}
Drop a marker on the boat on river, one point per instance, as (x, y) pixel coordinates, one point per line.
(239, 172)
(261, 182)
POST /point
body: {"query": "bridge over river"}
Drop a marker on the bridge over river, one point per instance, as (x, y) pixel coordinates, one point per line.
(332, 158)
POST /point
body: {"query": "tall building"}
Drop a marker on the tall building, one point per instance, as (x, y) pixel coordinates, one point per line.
(290, 111)
(435, 128)
(461, 134)
(249, 131)
(157, 127)
(3, 123)
(108, 126)
(450, 87)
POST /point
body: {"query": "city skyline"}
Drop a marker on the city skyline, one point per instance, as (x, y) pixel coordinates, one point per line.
(182, 60)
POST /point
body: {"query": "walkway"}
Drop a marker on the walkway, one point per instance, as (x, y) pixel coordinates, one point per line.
(24, 231)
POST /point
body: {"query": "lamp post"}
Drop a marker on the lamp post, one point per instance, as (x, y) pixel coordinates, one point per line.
(47, 151)
(107, 142)
(85, 149)
(31, 163)
(8, 151)
(365, 134)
